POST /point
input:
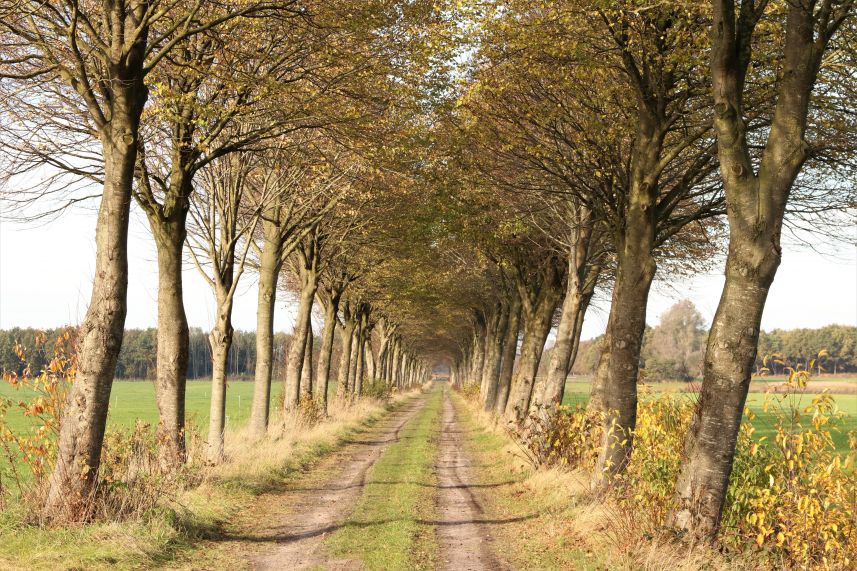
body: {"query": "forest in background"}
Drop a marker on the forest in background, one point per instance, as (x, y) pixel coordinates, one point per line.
(672, 350)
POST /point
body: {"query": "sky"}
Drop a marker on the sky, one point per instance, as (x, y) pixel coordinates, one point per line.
(46, 274)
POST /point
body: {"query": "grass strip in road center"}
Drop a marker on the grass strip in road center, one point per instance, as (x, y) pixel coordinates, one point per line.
(391, 527)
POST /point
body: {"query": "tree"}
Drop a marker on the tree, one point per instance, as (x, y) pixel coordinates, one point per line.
(91, 60)
(307, 182)
(757, 191)
(225, 212)
(675, 345)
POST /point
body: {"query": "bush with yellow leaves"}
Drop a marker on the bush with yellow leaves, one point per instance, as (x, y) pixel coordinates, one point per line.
(796, 495)
(792, 499)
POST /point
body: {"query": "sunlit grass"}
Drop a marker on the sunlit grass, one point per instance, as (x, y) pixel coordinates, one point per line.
(131, 401)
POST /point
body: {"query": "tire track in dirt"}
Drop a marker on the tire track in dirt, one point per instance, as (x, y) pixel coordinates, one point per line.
(300, 517)
(321, 509)
(462, 531)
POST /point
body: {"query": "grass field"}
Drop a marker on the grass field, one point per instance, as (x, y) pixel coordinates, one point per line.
(577, 391)
(133, 400)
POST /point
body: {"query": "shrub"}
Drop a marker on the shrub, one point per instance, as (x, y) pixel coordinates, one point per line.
(377, 389)
(562, 437)
(310, 412)
(131, 479)
(792, 498)
(470, 391)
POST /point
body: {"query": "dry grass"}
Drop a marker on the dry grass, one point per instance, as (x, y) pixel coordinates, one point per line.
(247, 458)
(565, 525)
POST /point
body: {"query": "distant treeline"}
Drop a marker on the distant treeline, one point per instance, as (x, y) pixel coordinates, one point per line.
(139, 349)
(672, 350)
(682, 358)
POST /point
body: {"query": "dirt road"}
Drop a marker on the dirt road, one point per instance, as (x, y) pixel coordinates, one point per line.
(462, 532)
(314, 511)
(293, 528)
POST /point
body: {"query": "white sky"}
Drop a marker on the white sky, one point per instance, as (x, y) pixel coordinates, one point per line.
(46, 273)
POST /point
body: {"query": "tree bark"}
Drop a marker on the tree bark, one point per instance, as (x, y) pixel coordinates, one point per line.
(371, 365)
(494, 359)
(220, 340)
(620, 358)
(510, 349)
(173, 339)
(361, 365)
(582, 279)
(537, 315)
(479, 333)
(100, 337)
(306, 382)
(324, 357)
(353, 360)
(270, 265)
(297, 347)
(492, 353)
(345, 357)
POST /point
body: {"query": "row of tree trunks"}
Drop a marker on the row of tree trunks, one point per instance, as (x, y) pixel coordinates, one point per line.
(510, 348)
(539, 299)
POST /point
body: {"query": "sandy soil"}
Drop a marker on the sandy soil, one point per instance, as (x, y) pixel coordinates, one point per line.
(462, 531)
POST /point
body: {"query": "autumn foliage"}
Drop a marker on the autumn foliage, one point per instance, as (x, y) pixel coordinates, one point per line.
(791, 498)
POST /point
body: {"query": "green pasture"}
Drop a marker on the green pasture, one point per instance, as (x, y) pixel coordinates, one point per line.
(577, 392)
(135, 400)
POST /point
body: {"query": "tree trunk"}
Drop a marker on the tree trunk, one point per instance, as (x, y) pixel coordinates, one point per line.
(494, 359)
(361, 365)
(100, 336)
(620, 358)
(353, 360)
(269, 273)
(582, 280)
(372, 369)
(345, 359)
(324, 357)
(173, 339)
(729, 358)
(510, 349)
(306, 382)
(220, 340)
(537, 325)
(492, 353)
(756, 205)
(297, 347)
(479, 333)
